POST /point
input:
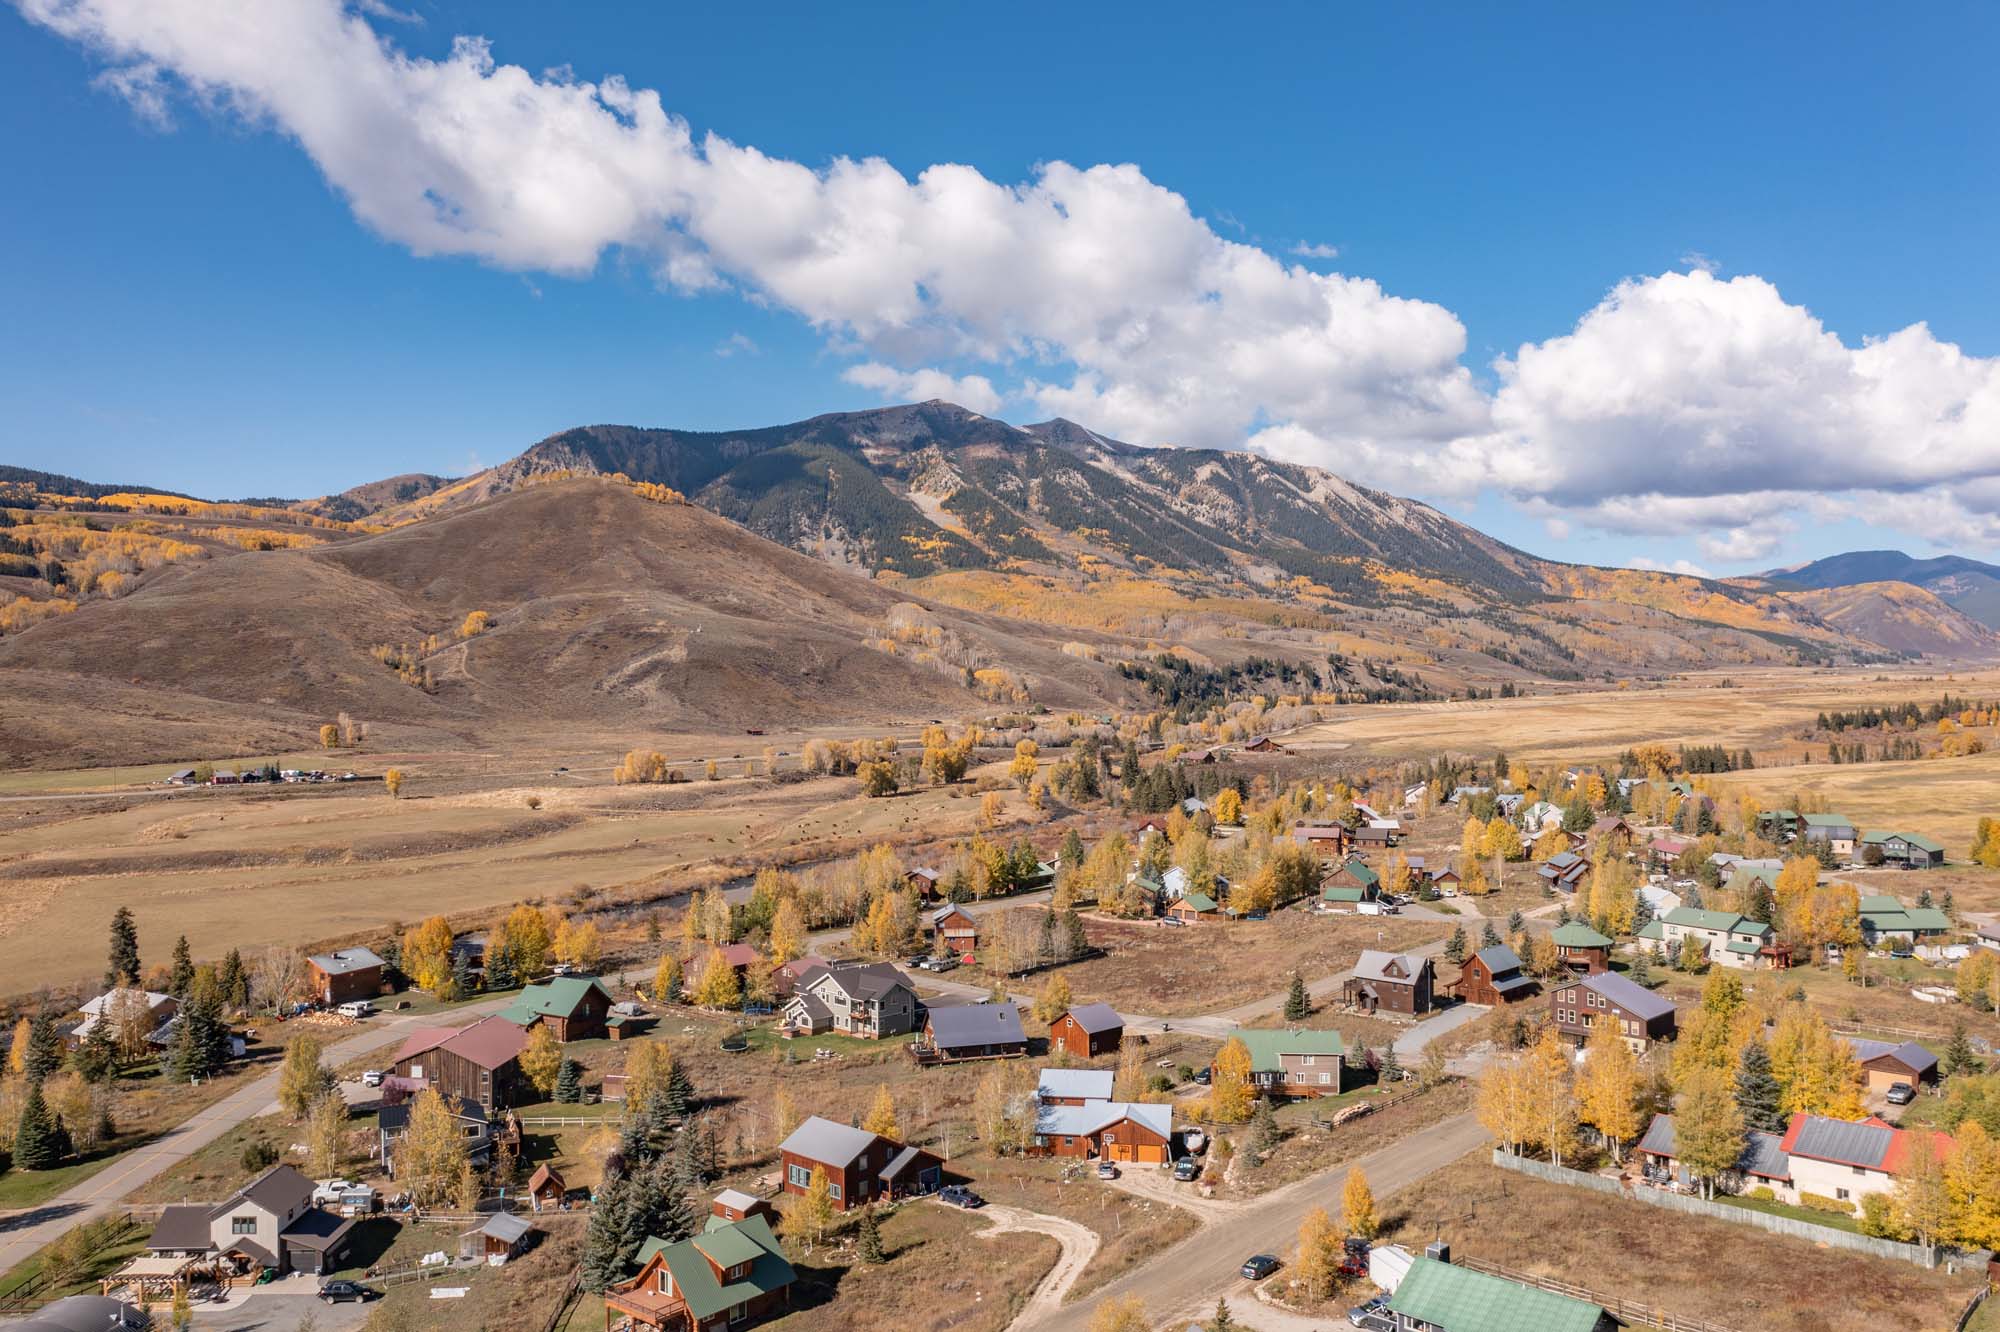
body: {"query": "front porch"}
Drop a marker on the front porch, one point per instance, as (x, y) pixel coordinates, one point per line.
(646, 1311)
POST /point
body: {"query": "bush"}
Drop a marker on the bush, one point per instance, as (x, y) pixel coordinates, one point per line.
(1877, 1217)
(1819, 1202)
(259, 1155)
(1159, 1082)
(1762, 1193)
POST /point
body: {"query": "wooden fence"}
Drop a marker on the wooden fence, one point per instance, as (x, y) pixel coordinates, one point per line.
(1971, 1308)
(1625, 1311)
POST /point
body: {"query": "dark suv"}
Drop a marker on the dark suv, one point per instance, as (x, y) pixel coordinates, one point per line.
(338, 1292)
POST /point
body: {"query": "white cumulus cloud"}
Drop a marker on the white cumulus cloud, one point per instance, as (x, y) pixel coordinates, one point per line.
(973, 391)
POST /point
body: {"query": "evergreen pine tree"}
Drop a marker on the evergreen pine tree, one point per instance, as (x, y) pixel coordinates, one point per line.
(182, 974)
(1562, 915)
(461, 974)
(870, 1243)
(1757, 1092)
(96, 1058)
(1263, 1127)
(1298, 1003)
(1642, 967)
(1456, 948)
(500, 966)
(1958, 1056)
(1079, 942)
(680, 1091)
(569, 1082)
(36, 1146)
(635, 1144)
(674, 1214)
(234, 981)
(1924, 898)
(124, 949)
(660, 1119)
(1488, 937)
(1222, 1322)
(1392, 1067)
(1514, 922)
(45, 1049)
(604, 1251)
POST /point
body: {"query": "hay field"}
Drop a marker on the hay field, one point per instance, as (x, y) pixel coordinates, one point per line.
(1941, 798)
(246, 870)
(1758, 709)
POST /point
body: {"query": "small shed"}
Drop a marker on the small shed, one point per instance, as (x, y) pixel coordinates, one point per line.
(503, 1236)
(546, 1189)
(1088, 1029)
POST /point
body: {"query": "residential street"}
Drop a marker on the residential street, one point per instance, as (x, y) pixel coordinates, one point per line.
(1182, 1283)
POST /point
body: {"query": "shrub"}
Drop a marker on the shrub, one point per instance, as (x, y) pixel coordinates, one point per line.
(259, 1155)
(1878, 1217)
(1762, 1193)
(1819, 1202)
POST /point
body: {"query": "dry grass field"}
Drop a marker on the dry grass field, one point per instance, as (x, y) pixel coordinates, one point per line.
(249, 870)
(1217, 966)
(1941, 798)
(1757, 709)
(1696, 1267)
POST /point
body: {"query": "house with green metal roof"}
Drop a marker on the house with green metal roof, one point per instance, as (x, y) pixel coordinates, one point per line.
(1580, 948)
(1192, 907)
(573, 1008)
(732, 1274)
(1886, 920)
(1436, 1296)
(1355, 873)
(1725, 937)
(1907, 849)
(1293, 1061)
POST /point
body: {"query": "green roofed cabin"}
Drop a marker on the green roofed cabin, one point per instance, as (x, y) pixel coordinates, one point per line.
(731, 1275)
(1436, 1296)
(1887, 920)
(1292, 1061)
(573, 1008)
(1909, 850)
(1193, 907)
(1583, 950)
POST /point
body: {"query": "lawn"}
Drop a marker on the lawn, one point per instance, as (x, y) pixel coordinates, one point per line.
(524, 1294)
(1837, 1220)
(1696, 1267)
(32, 1188)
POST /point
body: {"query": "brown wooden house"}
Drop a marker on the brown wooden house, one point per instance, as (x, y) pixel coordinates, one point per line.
(573, 1008)
(1264, 744)
(861, 1167)
(1087, 1030)
(1493, 976)
(1105, 1130)
(345, 976)
(953, 930)
(1390, 982)
(479, 1064)
(1579, 1005)
(546, 1189)
(954, 1032)
(735, 1205)
(1581, 949)
(1329, 841)
(730, 1274)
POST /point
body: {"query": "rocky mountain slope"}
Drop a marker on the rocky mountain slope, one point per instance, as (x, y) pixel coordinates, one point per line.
(1966, 585)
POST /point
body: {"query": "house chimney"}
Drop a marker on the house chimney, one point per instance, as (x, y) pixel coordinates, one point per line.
(1439, 1250)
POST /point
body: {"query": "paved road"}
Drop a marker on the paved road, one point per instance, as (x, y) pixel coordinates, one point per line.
(1182, 1283)
(23, 1232)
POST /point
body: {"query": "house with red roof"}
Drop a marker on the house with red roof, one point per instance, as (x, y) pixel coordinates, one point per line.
(1836, 1159)
(479, 1064)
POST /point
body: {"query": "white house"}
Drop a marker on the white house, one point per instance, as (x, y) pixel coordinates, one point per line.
(1727, 939)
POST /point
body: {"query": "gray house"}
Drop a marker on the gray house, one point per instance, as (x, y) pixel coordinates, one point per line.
(974, 1031)
(270, 1225)
(853, 998)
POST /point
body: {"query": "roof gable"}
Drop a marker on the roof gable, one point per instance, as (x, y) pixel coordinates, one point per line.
(1458, 1299)
(829, 1143)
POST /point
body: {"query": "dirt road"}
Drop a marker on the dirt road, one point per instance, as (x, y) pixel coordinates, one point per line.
(1079, 1246)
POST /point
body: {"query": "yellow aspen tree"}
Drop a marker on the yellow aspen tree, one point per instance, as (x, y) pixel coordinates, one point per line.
(392, 782)
(1318, 1268)
(1357, 1205)
(1608, 1092)
(1230, 1092)
(788, 933)
(541, 1059)
(881, 1117)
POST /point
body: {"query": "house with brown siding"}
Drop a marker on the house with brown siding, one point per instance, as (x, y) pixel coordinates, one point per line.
(953, 930)
(479, 1064)
(1580, 948)
(573, 1008)
(1493, 976)
(1088, 1030)
(1391, 982)
(973, 1031)
(1295, 1062)
(1105, 1130)
(345, 976)
(1579, 1005)
(731, 1274)
(861, 1167)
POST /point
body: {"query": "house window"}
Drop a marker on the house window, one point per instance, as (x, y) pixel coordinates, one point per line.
(666, 1282)
(1325, 1078)
(799, 1176)
(736, 1314)
(1068, 1141)
(1858, 1170)
(833, 1191)
(1307, 1060)
(242, 1225)
(1841, 1194)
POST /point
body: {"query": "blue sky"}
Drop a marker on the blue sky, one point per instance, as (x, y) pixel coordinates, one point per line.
(197, 304)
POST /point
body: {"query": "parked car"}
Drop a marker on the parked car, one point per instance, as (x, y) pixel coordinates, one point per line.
(1201, 1075)
(339, 1292)
(1256, 915)
(960, 1196)
(1373, 1316)
(1186, 1169)
(1258, 1266)
(372, 1078)
(1902, 1094)
(939, 964)
(1107, 1170)
(355, 1008)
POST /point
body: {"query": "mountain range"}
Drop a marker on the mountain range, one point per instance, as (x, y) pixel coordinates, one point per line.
(912, 561)
(1967, 584)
